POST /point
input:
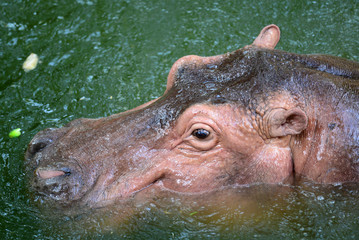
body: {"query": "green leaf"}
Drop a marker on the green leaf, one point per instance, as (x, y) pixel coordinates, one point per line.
(15, 133)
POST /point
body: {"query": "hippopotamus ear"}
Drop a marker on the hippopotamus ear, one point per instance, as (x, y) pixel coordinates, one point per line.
(268, 37)
(192, 61)
(282, 122)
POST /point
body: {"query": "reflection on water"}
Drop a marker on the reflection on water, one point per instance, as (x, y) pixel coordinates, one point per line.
(97, 58)
(260, 211)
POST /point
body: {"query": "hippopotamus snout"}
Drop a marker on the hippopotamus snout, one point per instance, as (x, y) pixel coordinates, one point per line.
(47, 137)
(63, 164)
(59, 180)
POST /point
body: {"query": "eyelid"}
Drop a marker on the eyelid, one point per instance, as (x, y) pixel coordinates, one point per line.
(202, 122)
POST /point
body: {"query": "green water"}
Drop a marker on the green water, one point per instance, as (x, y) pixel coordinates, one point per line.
(102, 57)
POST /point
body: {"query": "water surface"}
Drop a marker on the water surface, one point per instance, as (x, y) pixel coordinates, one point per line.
(102, 57)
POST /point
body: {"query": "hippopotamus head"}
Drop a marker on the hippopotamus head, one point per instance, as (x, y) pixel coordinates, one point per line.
(255, 115)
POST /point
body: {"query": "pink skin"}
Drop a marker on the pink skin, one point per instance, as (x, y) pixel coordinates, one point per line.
(45, 174)
(188, 164)
(233, 141)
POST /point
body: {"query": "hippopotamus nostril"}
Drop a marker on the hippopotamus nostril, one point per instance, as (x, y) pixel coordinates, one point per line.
(45, 174)
(49, 173)
(42, 140)
(37, 145)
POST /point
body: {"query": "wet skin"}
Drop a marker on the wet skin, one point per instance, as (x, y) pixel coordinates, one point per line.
(256, 115)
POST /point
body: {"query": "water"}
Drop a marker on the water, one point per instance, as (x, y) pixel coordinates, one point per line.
(102, 57)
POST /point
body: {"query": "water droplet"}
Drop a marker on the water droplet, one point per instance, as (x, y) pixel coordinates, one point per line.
(320, 198)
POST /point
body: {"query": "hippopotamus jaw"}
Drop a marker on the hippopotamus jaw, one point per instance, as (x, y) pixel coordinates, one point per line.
(109, 188)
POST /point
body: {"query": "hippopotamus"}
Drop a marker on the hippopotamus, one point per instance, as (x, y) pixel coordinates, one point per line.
(255, 115)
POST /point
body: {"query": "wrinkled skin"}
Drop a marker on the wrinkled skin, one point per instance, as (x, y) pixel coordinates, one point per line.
(256, 115)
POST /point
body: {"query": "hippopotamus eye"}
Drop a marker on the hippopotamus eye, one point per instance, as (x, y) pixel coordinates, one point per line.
(201, 133)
